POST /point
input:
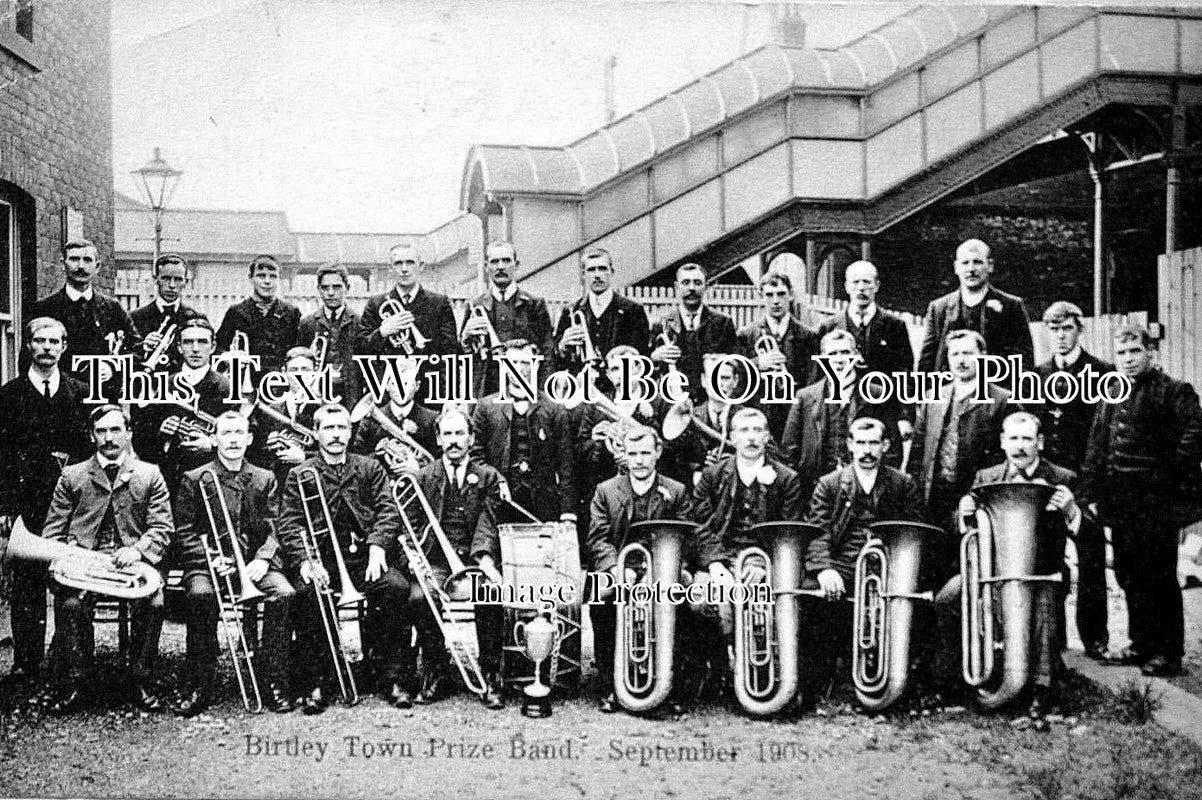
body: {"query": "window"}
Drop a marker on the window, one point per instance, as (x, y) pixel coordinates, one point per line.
(9, 292)
(17, 15)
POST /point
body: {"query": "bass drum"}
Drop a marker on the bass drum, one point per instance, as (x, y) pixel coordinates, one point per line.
(535, 555)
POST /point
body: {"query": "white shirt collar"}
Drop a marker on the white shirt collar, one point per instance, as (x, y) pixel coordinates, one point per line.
(866, 479)
(691, 322)
(862, 317)
(193, 375)
(39, 383)
(104, 462)
(164, 307)
(455, 474)
(400, 412)
(74, 294)
(407, 297)
(642, 487)
(229, 466)
(1069, 358)
(599, 302)
(749, 469)
(776, 327)
(1013, 471)
(521, 407)
(334, 461)
(974, 298)
(504, 297)
(333, 316)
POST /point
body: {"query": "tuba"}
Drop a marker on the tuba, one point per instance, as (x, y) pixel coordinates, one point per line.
(318, 525)
(399, 446)
(488, 342)
(458, 632)
(766, 666)
(410, 339)
(646, 631)
(83, 569)
(222, 546)
(998, 561)
(887, 572)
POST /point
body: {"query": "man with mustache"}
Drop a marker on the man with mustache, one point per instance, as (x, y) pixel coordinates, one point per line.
(95, 324)
(49, 432)
(611, 320)
(845, 502)
(116, 505)
(366, 522)
(1000, 318)
(691, 331)
(165, 310)
(514, 313)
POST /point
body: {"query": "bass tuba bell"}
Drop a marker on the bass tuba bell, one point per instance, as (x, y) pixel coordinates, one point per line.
(80, 568)
(887, 572)
(998, 564)
(645, 632)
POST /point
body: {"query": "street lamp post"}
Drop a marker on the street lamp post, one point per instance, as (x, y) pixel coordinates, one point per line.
(158, 184)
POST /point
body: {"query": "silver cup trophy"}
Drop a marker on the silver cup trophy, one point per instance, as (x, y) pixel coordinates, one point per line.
(537, 638)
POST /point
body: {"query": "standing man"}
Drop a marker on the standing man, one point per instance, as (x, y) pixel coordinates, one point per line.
(43, 428)
(167, 309)
(514, 313)
(116, 505)
(691, 331)
(610, 319)
(1065, 430)
(795, 343)
(268, 323)
(1141, 466)
(367, 523)
(96, 325)
(1000, 318)
(463, 494)
(530, 443)
(251, 495)
(334, 322)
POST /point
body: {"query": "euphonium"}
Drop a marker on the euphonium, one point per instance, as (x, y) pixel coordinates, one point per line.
(645, 632)
(87, 570)
(1001, 551)
(399, 446)
(409, 339)
(887, 572)
(485, 343)
(680, 416)
(766, 665)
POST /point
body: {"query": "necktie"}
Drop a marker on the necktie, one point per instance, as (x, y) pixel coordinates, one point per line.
(111, 471)
(46, 389)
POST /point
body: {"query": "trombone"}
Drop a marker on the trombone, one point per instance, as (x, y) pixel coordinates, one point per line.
(230, 598)
(487, 342)
(318, 524)
(409, 339)
(457, 632)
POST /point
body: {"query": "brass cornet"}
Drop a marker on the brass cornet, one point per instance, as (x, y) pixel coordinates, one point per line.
(886, 580)
(585, 351)
(664, 339)
(998, 562)
(409, 339)
(645, 632)
(319, 525)
(83, 569)
(485, 343)
(321, 350)
(222, 546)
(159, 357)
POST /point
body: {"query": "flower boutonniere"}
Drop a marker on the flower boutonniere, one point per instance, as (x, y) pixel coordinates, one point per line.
(765, 476)
(409, 426)
(644, 408)
(664, 493)
(472, 479)
(994, 305)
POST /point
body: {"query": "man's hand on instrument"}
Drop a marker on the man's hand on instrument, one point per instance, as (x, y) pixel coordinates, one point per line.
(666, 354)
(287, 451)
(197, 442)
(906, 429)
(770, 362)
(503, 490)
(476, 325)
(1064, 501)
(223, 566)
(573, 336)
(127, 557)
(6, 525)
(312, 572)
(151, 341)
(376, 563)
(490, 569)
(256, 569)
(600, 432)
(721, 574)
(393, 325)
(170, 426)
(831, 583)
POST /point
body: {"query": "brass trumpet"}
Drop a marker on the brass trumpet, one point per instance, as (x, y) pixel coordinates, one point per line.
(83, 569)
(766, 656)
(220, 545)
(293, 432)
(159, 357)
(458, 632)
(887, 571)
(585, 351)
(194, 422)
(485, 343)
(1001, 552)
(645, 633)
(318, 524)
(398, 447)
(664, 339)
(409, 340)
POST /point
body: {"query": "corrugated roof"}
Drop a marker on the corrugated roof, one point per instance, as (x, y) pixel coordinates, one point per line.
(193, 230)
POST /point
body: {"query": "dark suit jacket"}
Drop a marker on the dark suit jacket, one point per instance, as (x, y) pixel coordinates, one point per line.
(894, 495)
(884, 344)
(715, 334)
(713, 506)
(799, 345)
(624, 322)
(980, 445)
(594, 463)
(149, 443)
(531, 320)
(432, 314)
(141, 507)
(687, 453)
(1052, 529)
(423, 421)
(341, 337)
(612, 508)
(271, 335)
(1065, 428)
(86, 326)
(479, 508)
(1004, 324)
(148, 319)
(252, 497)
(551, 461)
(362, 488)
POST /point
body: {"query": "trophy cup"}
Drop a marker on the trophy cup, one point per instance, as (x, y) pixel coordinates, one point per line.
(536, 637)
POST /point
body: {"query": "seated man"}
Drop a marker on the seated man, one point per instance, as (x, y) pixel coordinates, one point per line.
(114, 504)
(1022, 443)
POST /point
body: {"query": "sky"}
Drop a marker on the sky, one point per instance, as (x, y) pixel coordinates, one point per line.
(357, 116)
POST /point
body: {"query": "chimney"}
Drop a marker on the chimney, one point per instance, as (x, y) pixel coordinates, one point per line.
(788, 28)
